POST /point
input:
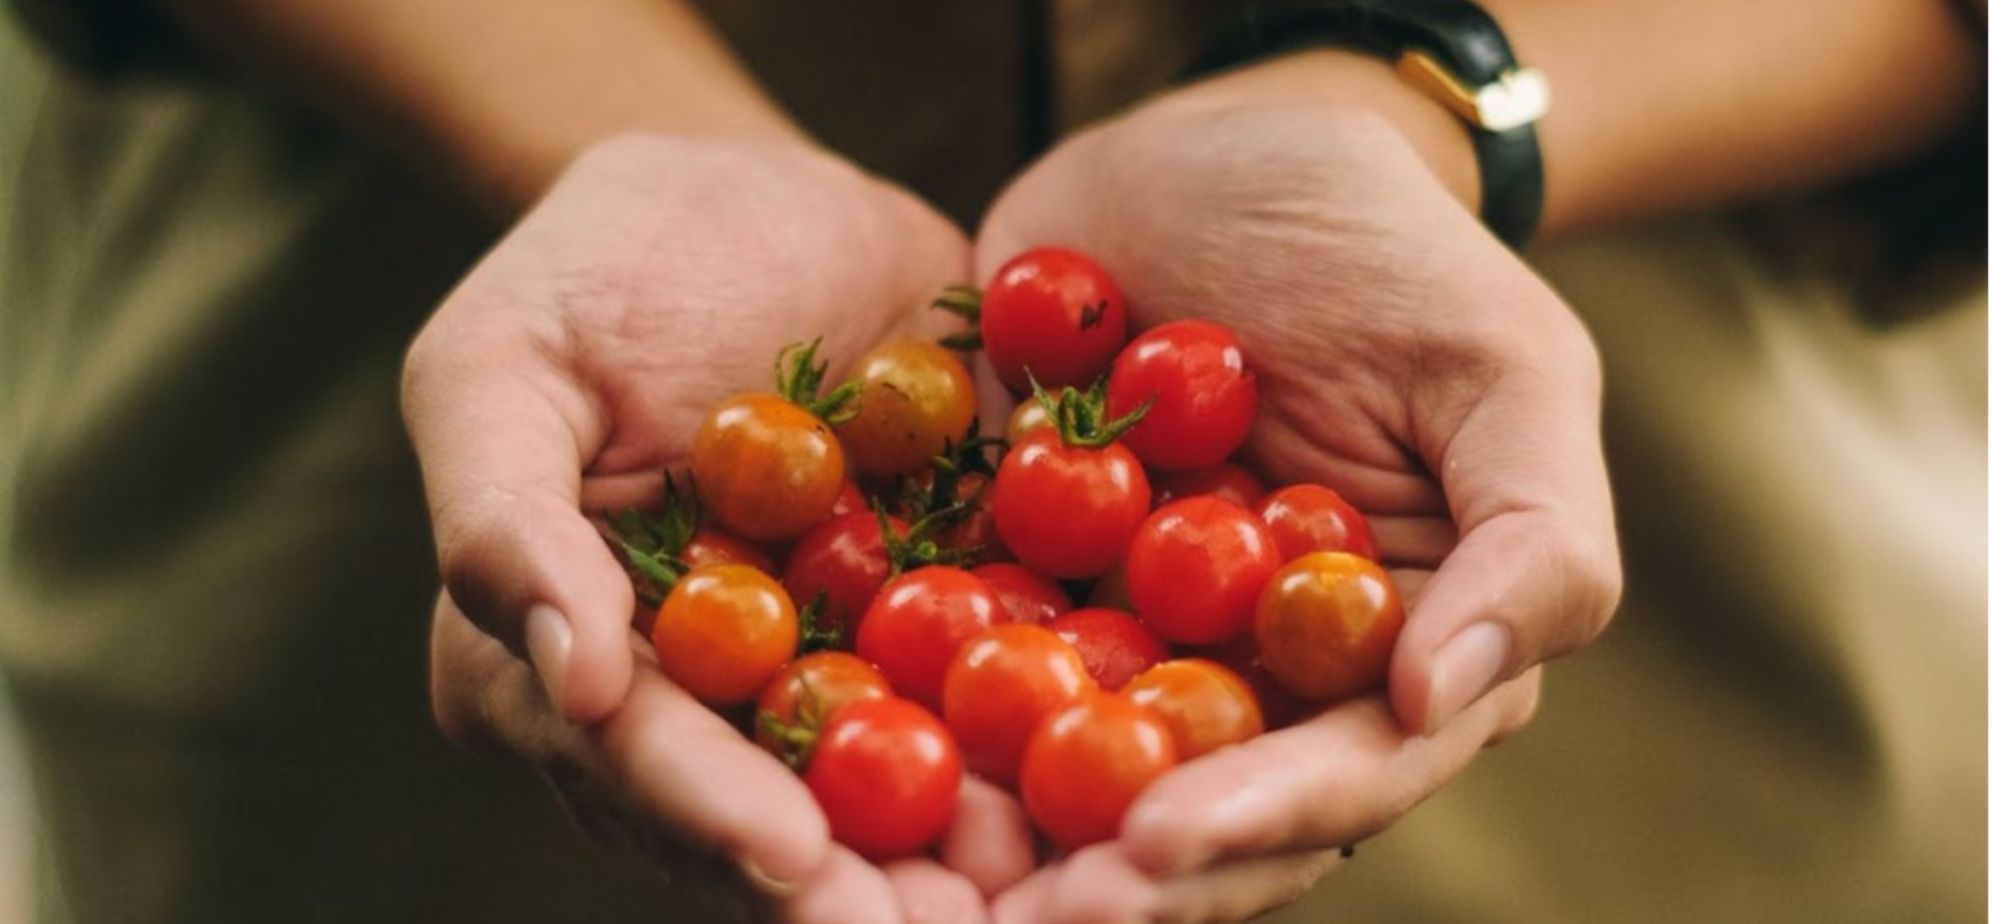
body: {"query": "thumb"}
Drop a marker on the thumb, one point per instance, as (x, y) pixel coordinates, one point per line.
(503, 438)
(1536, 572)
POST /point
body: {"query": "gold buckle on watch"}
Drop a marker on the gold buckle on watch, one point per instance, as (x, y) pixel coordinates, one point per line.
(1518, 97)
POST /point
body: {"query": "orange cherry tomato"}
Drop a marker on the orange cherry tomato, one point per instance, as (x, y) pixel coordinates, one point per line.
(915, 397)
(724, 632)
(1326, 624)
(766, 468)
(1205, 704)
(804, 695)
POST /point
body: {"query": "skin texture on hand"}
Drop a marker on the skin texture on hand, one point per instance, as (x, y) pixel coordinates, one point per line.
(562, 378)
(1405, 358)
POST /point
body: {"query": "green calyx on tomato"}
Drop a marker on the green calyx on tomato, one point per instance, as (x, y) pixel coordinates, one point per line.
(965, 301)
(799, 379)
(652, 545)
(1081, 417)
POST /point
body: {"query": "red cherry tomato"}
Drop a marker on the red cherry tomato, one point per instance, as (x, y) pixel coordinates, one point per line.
(1086, 763)
(1203, 394)
(845, 560)
(916, 623)
(1053, 315)
(1027, 595)
(915, 397)
(887, 776)
(1311, 518)
(1195, 568)
(766, 468)
(1068, 511)
(1205, 704)
(1228, 480)
(1326, 625)
(794, 706)
(724, 631)
(1000, 685)
(1277, 706)
(1114, 645)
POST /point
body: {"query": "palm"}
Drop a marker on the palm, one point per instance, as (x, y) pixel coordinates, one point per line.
(1405, 359)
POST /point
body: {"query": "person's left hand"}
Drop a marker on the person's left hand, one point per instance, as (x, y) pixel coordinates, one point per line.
(1406, 359)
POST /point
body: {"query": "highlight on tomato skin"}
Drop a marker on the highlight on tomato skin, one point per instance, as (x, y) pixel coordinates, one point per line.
(1053, 315)
(916, 623)
(793, 708)
(1068, 511)
(766, 468)
(724, 631)
(1114, 645)
(914, 398)
(1315, 518)
(888, 777)
(1087, 762)
(1200, 393)
(1205, 704)
(1326, 625)
(999, 686)
(1195, 567)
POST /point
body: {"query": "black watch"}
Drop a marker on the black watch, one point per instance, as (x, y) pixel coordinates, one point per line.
(1449, 49)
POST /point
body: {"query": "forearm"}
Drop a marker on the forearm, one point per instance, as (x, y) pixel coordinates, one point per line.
(495, 95)
(1670, 106)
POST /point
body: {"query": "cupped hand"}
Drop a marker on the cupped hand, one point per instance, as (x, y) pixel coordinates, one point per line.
(1406, 359)
(569, 370)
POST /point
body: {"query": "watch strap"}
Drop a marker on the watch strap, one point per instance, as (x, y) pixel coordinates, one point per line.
(1452, 50)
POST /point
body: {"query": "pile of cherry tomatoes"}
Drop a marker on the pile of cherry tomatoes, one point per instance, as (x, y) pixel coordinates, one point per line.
(886, 599)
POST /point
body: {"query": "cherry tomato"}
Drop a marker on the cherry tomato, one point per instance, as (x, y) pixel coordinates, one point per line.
(794, 706)
(1086, 763)
(918, 620)
(766, 468)
(1326, 625)
(1205, 704)
(844, 559)
(1311, 518)
(1068, 511)
(1195, 568)
(915, 397)
(1204, 395)
(1000, 685)
(1028, 415)
(1114, 645)
(1277, 706)
(1026, 595)
(1053, 315)
(1228, 480)
(724, 631)
(710, 545)
(887, 776)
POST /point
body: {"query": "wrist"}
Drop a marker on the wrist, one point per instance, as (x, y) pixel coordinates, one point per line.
(1359, 81)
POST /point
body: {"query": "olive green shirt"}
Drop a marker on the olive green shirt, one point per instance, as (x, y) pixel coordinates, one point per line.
(215, 577)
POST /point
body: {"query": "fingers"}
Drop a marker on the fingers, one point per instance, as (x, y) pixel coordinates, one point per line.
(1326, 783)
(990, 843)
(1101, 885)
(930, 893)
(1536, 573)
(845, 890)
(503, 438)
(679, 762)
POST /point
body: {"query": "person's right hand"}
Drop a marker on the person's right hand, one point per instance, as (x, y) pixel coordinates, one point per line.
(564, 376)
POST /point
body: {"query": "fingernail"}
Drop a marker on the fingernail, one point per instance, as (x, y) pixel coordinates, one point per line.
(549, 642)
(1463, 670)
(759, 878)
